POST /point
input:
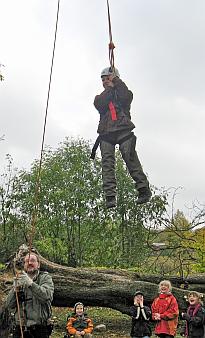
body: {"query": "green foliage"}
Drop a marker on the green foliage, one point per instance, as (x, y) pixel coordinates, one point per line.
(73, 226)
(184, 247)
(2, 266)
(9, 235)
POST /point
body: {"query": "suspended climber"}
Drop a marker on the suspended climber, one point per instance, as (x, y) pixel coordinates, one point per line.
(115, 127)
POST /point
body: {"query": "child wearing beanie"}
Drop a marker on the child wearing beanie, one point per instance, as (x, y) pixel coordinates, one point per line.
(79, 324)
(141, 316)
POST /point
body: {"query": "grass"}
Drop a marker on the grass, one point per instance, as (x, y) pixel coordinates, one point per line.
(99, 315)
(117, 324)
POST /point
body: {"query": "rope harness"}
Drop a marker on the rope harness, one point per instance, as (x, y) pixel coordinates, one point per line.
(106, 138)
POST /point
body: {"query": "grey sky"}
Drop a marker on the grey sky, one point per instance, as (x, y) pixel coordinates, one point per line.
(160, 53)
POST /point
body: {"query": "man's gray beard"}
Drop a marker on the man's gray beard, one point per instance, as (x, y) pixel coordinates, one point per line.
(33, 274)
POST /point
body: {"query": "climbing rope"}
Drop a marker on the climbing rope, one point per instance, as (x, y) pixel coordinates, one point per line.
(38, 179)
(17, 299)
(111, 44)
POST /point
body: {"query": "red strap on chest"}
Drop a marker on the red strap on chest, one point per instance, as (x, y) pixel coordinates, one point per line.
(112, 111)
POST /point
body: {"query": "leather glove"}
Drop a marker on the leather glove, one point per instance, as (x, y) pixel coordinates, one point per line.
(24, 280)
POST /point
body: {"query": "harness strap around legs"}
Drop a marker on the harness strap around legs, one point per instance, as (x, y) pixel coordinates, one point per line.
(95, 147)
(107, 139)
(97, 142)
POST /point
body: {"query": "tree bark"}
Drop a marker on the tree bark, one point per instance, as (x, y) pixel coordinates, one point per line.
(107, 287)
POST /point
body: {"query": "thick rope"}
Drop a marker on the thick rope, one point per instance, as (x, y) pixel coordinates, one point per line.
(38, 180)
(111, 44)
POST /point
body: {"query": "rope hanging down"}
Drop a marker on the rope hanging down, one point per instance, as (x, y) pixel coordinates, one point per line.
(111, 44)
(38, 180)
(17, 301)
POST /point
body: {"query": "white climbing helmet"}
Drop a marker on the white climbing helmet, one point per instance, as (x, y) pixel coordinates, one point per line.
(108, 71)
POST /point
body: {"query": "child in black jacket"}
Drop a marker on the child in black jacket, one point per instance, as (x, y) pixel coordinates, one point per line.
(140, 317)
(195, 317)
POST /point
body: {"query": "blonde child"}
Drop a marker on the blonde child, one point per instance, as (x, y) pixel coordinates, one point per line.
(165, 311)
(195, 317)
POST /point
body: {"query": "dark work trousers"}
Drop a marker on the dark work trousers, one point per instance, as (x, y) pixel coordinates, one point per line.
(38, 332)
(108, 163)
(164, 335)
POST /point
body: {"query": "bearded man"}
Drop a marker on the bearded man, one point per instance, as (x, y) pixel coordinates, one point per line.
(33, 291)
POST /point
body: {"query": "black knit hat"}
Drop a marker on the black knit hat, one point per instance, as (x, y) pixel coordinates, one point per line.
(138, 293)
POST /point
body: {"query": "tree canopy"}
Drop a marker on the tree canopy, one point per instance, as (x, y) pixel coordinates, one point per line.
(75, 228)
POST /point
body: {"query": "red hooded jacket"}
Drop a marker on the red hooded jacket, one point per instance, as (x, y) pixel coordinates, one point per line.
(166, 305)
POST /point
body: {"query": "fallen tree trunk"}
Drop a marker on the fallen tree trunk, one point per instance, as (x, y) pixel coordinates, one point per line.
(102, 287)
(177, 280)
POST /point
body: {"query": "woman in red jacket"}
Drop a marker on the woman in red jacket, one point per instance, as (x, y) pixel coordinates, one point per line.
(165, 311)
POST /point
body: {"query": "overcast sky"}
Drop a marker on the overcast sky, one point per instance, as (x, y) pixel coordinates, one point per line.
(160, 53)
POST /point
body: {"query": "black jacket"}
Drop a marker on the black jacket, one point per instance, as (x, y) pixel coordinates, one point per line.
(121, 97)
(195, 324)
(140, 321)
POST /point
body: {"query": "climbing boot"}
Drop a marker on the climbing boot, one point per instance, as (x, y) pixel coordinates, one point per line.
(144, 195)
(110, 202)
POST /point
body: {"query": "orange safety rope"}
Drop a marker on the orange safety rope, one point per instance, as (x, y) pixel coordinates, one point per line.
(111, 44)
